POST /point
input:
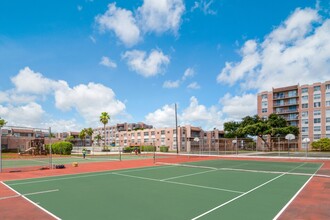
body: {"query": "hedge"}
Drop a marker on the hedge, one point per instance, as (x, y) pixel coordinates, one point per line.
(163, 149)
(63, 147)
(148, 148)
(322, 145)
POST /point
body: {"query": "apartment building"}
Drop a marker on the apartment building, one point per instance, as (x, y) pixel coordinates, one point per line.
(304, 106)
(147, 135)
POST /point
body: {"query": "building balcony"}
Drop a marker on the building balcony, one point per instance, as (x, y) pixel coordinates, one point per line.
(285, 104)
(286, 111)
(276, 97)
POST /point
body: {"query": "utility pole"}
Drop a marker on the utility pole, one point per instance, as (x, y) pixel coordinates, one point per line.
(176, 130)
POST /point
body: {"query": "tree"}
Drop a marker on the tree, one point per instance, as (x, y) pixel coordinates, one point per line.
(69, 139)
(256, 126)
(231, 129)
(323, 144)
(98, 137)
(89, 132)
(82, 135)
(2, 122)
(104, 119)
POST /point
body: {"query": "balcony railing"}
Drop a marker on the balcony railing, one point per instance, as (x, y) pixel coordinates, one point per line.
(285, 111)
(286, 96)
(285, 103)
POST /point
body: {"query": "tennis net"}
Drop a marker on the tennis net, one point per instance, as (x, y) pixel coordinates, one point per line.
(241, 165)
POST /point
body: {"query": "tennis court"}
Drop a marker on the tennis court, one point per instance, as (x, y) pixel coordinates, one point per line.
(176, 188)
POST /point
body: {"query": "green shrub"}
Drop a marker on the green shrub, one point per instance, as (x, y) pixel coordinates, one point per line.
(148, 148)
(62, 147)
(128, 149)
(322, 145)
(163, 149)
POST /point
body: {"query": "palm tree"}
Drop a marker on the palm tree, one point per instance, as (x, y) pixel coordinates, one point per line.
(104, 119)
(89, 132)
(70, 139)
(82, 135)
(2, 123)
(98, 137)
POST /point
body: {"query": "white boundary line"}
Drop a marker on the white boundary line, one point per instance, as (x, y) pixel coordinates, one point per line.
(178, 183)
(81, 175)
(28, 194)
(237, 197)
(33, 203)
(293, 198)
(192, 174)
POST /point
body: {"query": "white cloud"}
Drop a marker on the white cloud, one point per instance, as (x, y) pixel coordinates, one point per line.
(195, 114)
(161, 15)
(80, 8)
(237, 107)
(106, 61)
(28, 81)
(171, 84)
(298, 51)
(234, 72)
(121, 22)
(30, 114)
(19, 107)
(189, 72)
(193, 85)
(145, 65)
(89, 101)
(204, 6)
(161, 118)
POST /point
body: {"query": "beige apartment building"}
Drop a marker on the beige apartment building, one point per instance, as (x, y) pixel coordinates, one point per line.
(304, 106)
(140, 134)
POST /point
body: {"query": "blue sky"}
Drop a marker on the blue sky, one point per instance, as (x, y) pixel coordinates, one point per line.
(62, 62)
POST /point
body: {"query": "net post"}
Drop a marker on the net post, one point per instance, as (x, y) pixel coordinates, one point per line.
(119, 153)
(154, 157)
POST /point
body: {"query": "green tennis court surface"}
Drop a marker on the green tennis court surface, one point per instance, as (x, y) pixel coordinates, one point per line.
(213, 189)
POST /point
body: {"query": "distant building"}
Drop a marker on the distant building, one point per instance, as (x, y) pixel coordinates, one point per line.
(304, 106)
(124, 135)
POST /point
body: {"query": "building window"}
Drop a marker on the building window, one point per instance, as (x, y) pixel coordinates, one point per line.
(264, 110)
(327, 119)
(317, 88)
(292, 101)
(327, 96)
(317, 128)
(304, 90)
(304, 105)
(327, 128)
(264, 104)
(327, 103)
(317, 104)
(304, 121)
(304, 114)
(292, 93)
(304, 129)
(146, 133)
(317, 136)
(327, 87)
(317, 112)
(317, 96)
(317, 120)
(162, 132)
(304, 98)
(264, 96)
